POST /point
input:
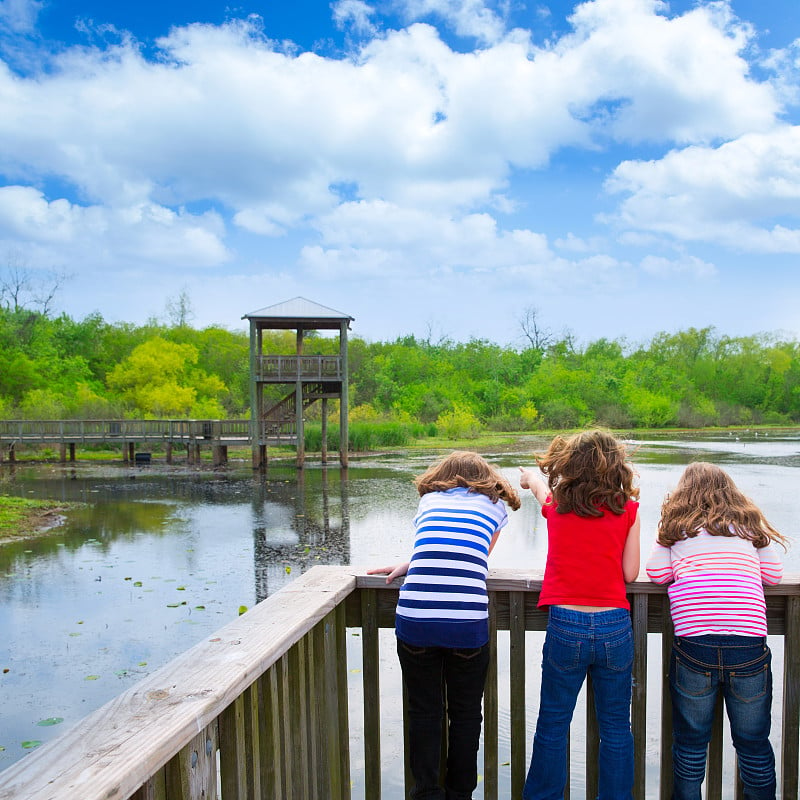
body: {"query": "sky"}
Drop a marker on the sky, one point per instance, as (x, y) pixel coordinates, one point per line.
(441, 168)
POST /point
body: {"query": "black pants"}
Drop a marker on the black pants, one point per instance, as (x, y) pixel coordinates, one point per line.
(444, 682)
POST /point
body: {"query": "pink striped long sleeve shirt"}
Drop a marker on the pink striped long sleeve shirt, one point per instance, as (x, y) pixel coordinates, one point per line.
(717, 584)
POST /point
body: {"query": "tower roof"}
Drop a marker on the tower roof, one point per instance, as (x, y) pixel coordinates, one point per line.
(299, 312)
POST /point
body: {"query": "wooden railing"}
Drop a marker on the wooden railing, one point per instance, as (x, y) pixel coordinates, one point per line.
(260, 709)
(281, 369)
(119, 430)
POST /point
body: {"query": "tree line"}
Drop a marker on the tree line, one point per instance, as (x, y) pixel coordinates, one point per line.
(56, 367)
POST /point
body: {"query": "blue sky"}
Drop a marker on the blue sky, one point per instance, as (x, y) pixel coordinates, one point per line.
(435, 167)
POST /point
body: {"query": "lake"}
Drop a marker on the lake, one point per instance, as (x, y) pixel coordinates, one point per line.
(159, 556)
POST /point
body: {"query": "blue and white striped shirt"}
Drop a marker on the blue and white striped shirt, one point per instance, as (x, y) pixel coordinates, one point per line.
(443, 602)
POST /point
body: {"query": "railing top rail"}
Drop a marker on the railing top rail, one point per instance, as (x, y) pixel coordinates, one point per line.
(527, 580)
(146, 725)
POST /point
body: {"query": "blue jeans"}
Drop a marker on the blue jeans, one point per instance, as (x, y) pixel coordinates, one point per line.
(576, 644)
(443, 681)
(740, 668)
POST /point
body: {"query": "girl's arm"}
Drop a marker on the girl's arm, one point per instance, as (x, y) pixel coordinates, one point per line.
(631, 553)
(494, 541)
(659, 564)
(391, 572)
(529, 479)
(771, 565)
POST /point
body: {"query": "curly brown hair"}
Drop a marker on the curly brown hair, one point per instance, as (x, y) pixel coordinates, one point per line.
(471, 471)
(587, 471)
(707, 498)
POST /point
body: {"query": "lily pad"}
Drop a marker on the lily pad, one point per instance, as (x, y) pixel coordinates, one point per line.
(46, 723)
(92, 678)
(29, 744)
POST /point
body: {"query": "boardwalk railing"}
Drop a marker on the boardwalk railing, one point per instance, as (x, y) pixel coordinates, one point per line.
(262, 708)
(89, 431)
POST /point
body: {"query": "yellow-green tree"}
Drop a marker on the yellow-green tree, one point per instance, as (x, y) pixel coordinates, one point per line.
(161, 379)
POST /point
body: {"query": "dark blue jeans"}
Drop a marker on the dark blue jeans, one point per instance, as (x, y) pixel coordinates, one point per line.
(578, 643)
(740, 668)
(443, 682)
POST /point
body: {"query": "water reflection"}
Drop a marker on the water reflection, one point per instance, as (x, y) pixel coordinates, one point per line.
(291, 534)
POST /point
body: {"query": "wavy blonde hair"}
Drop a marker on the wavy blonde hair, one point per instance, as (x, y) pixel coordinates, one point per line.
(587, 471)
(707, 498)
(470, 471)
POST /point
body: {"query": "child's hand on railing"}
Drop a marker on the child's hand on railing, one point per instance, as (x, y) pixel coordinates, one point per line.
(391, 572)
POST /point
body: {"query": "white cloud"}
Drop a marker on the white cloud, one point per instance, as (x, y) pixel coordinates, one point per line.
(642, 76)
(687, 267)
(144, 234)
(785, 64)
(377, 241)
(355, 14)
(19, 15)
(469, 18)
(744, 194)
(426, 139)
(228, 117)
(577, 244)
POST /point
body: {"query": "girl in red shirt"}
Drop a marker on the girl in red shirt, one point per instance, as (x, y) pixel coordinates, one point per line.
(592, 513)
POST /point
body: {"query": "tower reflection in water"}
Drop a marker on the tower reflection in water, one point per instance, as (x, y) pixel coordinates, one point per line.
(300, 521)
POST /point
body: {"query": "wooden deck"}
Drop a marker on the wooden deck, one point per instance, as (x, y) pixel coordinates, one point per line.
(262, 708)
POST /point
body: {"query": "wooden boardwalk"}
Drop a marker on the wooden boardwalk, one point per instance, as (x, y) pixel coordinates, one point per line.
(268, 708)
(128, 434)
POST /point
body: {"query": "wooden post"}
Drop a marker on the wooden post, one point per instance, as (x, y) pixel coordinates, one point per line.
(220, 455)
(639, 603)
(255, 395)
(72, 451)
(790, 720)
(62, 452)
(517, 683)
(667, 637)
(169, 452)
(298, 405)
(344, 435)
(324, 430)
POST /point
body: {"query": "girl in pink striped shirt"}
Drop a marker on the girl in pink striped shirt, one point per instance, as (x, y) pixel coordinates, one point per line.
(716, 549)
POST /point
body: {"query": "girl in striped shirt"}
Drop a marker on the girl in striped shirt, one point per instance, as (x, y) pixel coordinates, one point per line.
(442, 619)
(716, 549)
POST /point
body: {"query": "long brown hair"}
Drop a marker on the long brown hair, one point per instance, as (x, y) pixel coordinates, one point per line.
(587, 471)
(707, 498)
(470, 471)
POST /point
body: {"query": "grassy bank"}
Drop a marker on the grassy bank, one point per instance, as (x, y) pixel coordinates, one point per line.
(20, 518)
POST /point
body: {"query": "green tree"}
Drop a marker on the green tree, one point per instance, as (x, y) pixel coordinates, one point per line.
(161, 379)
